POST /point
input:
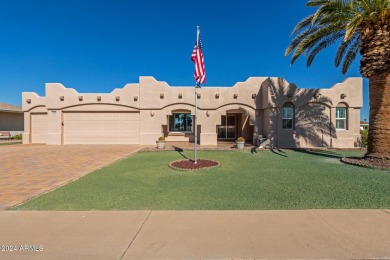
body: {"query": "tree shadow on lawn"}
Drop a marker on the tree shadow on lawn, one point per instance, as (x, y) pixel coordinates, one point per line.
(319, 152)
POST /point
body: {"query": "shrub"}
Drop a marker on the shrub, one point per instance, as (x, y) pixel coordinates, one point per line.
(17, 137)
(364, 137)
(161, 138)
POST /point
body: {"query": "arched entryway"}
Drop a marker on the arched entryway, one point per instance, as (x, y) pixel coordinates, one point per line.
(235, 123)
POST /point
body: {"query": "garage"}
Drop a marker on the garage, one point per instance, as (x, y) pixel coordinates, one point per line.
(101, 127)
(39, 128)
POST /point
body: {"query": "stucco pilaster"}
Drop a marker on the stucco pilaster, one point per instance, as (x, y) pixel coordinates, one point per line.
(54, 127)
(151, 122)
(26, 135)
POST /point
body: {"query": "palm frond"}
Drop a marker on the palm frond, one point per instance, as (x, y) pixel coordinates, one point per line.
(343, 48)
(350, 56)
(323, 45)
(302, 24)
(331, 8)
(352, 26)
(312, 39)
(298, 39)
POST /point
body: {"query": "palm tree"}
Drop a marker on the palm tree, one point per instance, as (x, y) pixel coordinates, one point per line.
(357, 26)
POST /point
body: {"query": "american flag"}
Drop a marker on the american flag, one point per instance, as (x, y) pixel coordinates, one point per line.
(197, 58)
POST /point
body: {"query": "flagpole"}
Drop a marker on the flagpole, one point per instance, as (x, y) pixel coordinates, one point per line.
(196, 107)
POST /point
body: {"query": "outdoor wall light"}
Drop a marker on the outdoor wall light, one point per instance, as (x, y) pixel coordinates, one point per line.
(80, 98)
(343, 95)
(28, 101)
(99, 98)
(162, 95)
(235, 96)
(253, 96)
(199, 95)
(62, 98)
(117, 98)
(208, 113)
(180, 95)
(151, 113)
(217, 95)
(135, 98)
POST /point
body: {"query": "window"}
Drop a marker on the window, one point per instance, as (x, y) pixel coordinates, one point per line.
(288, 116)
(341, 118)
(180, 122)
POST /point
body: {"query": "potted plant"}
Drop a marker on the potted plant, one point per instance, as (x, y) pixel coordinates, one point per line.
(240, 142)
(161, 142)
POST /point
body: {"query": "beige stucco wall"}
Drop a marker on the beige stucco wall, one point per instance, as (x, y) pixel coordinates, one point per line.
(315, 112)
(257, 104)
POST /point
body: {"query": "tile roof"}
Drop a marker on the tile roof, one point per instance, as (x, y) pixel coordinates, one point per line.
(8, 107)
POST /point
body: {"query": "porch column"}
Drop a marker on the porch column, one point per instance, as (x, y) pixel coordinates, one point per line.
(207, 120)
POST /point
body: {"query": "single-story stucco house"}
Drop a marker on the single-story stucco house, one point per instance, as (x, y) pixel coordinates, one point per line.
(11, 119)
(140, 113)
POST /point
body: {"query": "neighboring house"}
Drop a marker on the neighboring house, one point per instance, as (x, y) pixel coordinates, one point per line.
(139, 113)
(11, 118)
(364, 125)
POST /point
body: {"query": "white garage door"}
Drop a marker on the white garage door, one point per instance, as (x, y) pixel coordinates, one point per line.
(101, 128)
(38, 128)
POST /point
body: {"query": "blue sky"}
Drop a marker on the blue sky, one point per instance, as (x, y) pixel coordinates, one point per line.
(96, 46)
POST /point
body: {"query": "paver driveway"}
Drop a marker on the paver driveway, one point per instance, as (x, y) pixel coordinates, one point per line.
(29, 170)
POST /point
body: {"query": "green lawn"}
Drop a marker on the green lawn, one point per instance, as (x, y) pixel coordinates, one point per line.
(264, 180)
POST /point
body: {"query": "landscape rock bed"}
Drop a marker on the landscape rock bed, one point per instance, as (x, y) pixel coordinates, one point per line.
(371, 162)
(190, 165)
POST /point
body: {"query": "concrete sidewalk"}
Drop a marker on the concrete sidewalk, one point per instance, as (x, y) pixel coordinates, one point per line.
(300, 234)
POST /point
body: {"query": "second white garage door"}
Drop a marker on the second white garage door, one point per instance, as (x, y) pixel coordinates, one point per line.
(101, 128)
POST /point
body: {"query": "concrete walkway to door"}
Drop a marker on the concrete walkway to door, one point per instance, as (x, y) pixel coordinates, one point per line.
(29, 170)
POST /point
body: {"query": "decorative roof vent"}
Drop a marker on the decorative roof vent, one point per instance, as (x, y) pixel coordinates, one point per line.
(80, 98)
(317, 95)
(62, 98)
(253, 96)
(180, 95)
(28, 101)
(290, 94)
(135, 98)
(217, 95)
(343, 95)
(199, 95)
(162, 95)
(117, 98)
(235, 96)
(99, 98)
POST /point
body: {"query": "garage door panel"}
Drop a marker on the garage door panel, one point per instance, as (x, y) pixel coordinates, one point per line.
(39, 128)
(101, 128)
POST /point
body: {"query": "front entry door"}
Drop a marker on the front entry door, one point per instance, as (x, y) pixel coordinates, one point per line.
(227, 129)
